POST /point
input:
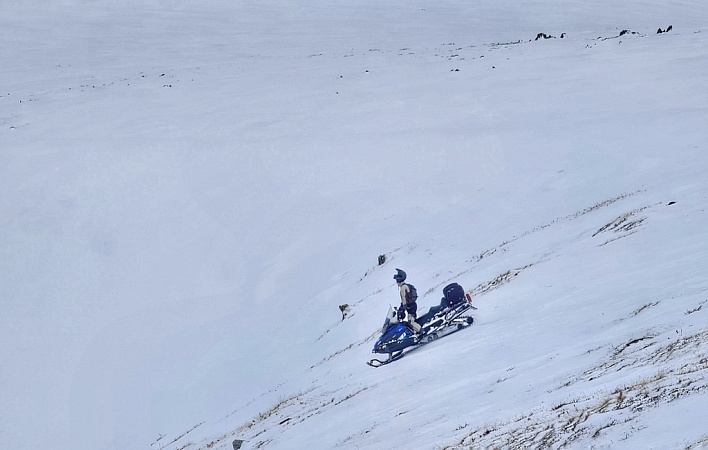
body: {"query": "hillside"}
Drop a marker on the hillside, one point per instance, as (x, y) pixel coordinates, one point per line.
(190, 192)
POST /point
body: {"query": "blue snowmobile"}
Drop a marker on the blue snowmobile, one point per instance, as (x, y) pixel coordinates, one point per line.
(450, 316)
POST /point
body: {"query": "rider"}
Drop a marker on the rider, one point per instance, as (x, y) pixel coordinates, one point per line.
(408, 308)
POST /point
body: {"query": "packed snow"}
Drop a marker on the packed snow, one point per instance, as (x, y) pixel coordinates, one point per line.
(190, 192)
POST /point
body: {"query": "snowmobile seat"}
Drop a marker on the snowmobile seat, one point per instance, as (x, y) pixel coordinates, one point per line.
(427, 317)
(432, 312)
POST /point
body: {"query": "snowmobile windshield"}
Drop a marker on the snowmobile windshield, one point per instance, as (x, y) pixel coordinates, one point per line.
(391, 318)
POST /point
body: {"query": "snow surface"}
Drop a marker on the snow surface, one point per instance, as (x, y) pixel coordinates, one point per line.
(190, 191)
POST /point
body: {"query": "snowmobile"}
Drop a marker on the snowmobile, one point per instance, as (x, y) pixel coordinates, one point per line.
(450, 316)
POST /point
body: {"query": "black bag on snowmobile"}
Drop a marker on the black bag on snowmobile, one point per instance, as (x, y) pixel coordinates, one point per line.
(454, 294)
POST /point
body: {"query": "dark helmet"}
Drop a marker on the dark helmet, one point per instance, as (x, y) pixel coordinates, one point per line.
(400, 276)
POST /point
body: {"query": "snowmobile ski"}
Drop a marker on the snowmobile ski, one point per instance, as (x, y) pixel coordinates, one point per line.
(391, 358)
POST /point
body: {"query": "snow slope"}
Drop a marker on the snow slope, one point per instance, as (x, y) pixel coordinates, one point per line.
(189, 193)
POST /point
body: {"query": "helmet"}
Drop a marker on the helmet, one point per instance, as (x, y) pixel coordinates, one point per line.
(400, 276)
